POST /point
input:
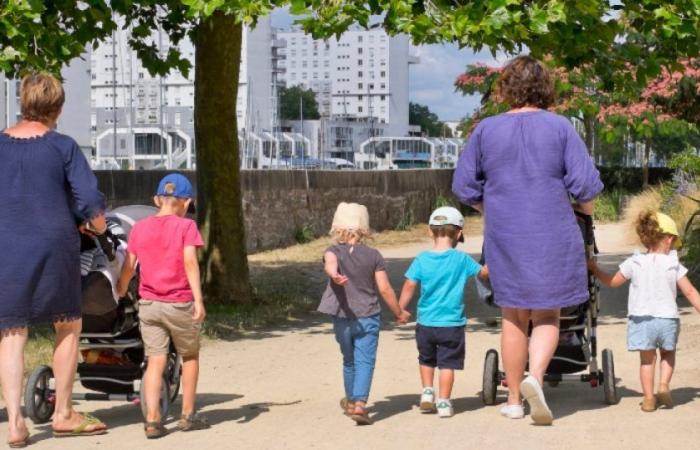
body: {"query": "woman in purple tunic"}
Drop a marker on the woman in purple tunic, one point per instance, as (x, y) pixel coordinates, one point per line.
(520, 169)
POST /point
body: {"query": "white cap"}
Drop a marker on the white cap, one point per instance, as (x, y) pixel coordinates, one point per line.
(447, 215)
(351, 216)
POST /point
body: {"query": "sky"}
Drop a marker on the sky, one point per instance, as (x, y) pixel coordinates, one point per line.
(432, 79)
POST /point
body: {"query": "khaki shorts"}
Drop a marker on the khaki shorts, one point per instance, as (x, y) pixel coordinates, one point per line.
(162, 321)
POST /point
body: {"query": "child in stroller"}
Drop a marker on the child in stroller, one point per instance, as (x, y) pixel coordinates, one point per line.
(113, 361)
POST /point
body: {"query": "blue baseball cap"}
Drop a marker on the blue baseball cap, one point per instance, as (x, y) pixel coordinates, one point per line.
(183, 187)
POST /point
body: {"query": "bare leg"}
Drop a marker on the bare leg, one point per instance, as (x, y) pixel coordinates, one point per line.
(543, 342)
(447, 379)
(427, 375)
(12, 343)
(190, 375)
(514, 349)
(65, 363)
(668, 362)
(153, 380)
(646, 372)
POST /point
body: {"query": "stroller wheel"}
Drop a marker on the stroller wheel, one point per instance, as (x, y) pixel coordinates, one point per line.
(491, 378)
(39, 398)
(164, 398)
(609, 388)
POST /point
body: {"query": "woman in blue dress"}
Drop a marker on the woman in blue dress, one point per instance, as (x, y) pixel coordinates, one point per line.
(45, 181)
(520, 169)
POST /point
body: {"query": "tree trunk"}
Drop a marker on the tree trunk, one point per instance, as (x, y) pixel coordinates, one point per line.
(224, 260)
(647, 153)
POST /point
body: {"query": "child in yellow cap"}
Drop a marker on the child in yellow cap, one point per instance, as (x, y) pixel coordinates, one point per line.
(653, 320)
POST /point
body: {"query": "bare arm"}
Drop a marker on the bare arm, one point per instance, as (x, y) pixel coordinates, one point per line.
(409, 288)
(127, 273)
(193, 278)
(611, 281)
(585, 207)
(690, 292)
(387, 292)
(330, 266)
(479, 207)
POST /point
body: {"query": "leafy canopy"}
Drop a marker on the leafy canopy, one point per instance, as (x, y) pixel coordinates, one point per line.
(295, 101)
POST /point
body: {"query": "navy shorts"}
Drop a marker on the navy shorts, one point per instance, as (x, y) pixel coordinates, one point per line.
(441, 347)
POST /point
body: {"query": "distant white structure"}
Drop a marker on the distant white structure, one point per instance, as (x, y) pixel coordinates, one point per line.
(362, 76)
(75, 118)
(152, 117)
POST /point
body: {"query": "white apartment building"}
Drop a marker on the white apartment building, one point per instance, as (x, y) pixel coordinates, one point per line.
(361, 76)
(152, 117)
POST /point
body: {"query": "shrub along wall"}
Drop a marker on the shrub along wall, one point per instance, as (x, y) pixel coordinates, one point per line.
(630, 179)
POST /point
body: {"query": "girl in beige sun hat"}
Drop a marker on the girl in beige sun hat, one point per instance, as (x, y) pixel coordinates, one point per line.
(357, 278)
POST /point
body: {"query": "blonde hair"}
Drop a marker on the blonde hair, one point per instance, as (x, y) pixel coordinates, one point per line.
(41, 97)
(648, 229)
(345, 235)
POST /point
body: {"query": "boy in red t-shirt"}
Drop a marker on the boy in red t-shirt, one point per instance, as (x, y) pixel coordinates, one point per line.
(171, 305)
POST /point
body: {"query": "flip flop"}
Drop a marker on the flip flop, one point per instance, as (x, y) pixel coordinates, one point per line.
(533, 394)
(81, 430)
(648, 404)
(347, 405)
(156, 431)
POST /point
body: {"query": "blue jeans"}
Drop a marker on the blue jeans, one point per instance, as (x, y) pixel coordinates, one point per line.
(358, 339)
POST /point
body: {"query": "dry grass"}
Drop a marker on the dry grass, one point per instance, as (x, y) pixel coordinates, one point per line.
(679, 208)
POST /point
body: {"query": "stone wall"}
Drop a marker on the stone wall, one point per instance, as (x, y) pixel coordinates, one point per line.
(277, 204)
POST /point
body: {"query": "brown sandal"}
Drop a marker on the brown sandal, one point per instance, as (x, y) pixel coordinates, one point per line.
(155, 430)
(192, 422)
(361, 417)
(348, 406)
(648, 404)
(664, 399)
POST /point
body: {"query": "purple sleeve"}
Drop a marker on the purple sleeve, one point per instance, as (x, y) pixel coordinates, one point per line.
(581, 178)
(88, 201)
(468, 181)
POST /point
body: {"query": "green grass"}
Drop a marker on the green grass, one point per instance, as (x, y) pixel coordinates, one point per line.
(39, 348)
(608, 206)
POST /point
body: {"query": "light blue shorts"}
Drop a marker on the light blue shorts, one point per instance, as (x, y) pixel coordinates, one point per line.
(650, 333)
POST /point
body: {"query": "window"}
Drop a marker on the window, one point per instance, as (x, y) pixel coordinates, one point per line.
(383, 97)
(359, 38)
(359, 51)
(359, 62)
(303, 64)
(359, 85)
(383, 85)
(122, 144)
(140, 75)
(359, 98)
(304, 75)
(371, 86)
(326, 75)
(359, 74)
(325, 63)
(359, 109)
(383, 74)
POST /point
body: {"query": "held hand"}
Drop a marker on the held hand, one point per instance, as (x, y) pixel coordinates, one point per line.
(404, 317)
(98, 224)
(340, 280)
(199, 312)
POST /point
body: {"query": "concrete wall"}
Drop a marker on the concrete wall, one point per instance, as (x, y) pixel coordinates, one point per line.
(278, 203)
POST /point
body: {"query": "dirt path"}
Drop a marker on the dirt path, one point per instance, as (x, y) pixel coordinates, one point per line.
(279, 388)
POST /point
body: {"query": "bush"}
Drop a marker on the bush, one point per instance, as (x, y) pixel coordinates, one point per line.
(407, 221)
(303, 234)
(608, 206)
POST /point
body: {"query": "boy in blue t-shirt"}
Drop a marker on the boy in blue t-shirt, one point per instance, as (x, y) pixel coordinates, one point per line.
(442, 273)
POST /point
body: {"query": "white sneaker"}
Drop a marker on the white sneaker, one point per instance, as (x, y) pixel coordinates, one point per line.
(444, 408)
(427, 400)
(513, 411)
(532, 392)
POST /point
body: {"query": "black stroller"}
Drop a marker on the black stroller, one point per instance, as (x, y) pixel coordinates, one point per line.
(575, 358)
(109, 328)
